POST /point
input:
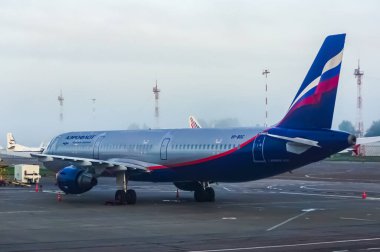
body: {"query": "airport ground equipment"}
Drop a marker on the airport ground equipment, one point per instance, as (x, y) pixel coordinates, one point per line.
(29, 174)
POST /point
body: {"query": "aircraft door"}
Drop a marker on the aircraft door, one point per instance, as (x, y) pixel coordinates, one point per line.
(97, 143)
(164, 149)
(258, 149)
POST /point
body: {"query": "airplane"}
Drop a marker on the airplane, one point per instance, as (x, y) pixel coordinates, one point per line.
(193, 123)
(14, 147)
(195, 159)
(17, 154)
(364, 141)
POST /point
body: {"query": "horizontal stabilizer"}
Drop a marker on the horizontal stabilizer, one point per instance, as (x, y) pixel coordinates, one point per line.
(298, 140)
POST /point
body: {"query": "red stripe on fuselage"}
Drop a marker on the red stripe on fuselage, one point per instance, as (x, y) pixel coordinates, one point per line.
(202, 160)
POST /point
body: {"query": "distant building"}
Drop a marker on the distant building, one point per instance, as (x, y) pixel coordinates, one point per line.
(372, 149)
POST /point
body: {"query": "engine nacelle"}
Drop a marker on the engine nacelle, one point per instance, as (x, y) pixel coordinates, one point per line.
(72, 180)
(188, 185)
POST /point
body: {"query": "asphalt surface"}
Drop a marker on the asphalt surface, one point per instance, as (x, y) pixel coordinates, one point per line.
(317, 208)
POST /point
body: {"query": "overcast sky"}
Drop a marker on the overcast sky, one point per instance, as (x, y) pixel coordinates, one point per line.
(207, 56)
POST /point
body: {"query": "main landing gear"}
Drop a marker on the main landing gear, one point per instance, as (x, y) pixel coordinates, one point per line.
(124, 196)
(204, 193)
(129, 197)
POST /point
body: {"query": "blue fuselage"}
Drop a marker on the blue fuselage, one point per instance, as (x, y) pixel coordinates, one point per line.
(219, 155)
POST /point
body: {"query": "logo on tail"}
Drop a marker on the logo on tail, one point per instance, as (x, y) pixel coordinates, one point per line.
(313, 105)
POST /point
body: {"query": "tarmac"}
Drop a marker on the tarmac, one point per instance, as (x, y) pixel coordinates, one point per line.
(316, 208)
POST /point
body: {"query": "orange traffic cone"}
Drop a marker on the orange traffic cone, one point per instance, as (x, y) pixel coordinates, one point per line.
(364, 195)
(37, 187)
(59, 197)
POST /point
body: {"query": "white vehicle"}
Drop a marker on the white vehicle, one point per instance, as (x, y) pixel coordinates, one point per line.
(29, 174)
(12, 146)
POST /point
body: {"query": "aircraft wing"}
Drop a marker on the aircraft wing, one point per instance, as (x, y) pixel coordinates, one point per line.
(112, 165)
(367, 140)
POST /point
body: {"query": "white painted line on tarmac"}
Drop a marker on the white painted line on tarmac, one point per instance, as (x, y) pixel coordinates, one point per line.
(330, 195)
(370, 249)
(290, 219)
(12, 188)
(176, 201)
(17, 212)
(313, 177)
(48, 191)
(347, 218)
(229, 218)
(330, 189)
(289, 245)
(227, 189)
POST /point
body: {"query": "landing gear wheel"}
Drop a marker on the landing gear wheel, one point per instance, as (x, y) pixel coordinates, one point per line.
(203, 195)
(120, 197)
(199, 195)
(131, 197)
(209, 194)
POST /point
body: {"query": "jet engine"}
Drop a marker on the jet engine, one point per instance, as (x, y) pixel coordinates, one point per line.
(73, 180)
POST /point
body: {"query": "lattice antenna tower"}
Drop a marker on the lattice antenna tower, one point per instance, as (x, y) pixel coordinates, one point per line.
(359, 103)
(156, 92)
(93, 107)
(359, 108)
(60, 100)
(266, 72)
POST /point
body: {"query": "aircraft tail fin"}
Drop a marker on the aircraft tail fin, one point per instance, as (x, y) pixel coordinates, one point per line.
(313, 105)
(11, 143)
(193, 123)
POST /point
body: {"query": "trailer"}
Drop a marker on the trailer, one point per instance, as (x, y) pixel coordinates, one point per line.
(29, 174)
